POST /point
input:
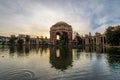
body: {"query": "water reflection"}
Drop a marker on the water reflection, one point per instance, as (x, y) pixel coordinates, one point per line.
(64, 55)
(25, 50)
(114, 58)
(19, 50)
(61, 58)
(34, 62)
(114, 55)
(97, 49)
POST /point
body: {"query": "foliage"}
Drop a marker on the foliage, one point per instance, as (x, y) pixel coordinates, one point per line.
(27, 38)
(78, 39)
(20, 41)
(12, 40)
(3, 42)
(57, 42)
(113, 35)
(64, 38)
(43, 41)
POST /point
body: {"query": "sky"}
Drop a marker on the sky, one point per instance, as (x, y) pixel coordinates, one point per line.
(35, 17)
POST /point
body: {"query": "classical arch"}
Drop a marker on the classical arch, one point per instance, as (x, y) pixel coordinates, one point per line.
(59, 30)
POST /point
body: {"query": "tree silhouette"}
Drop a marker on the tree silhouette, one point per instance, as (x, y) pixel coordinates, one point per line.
(20, 41)
(12, 40)
(78, 38)
(113, 35)
(64, 38)
(27, 39)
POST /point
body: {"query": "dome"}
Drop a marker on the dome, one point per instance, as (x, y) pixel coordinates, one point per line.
(61, 23)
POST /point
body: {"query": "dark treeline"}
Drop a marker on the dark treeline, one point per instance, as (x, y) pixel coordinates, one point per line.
(113, 35)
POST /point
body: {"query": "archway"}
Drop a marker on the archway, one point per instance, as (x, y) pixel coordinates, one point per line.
(61, 31)
(61, 38)
(58, 36)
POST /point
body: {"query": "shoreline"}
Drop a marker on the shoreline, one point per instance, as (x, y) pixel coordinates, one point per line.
(112, 46)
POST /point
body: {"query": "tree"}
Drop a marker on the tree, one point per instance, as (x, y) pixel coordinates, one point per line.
(64, 38)
(3, 42)
(27, 38)
(12, 40)
(20, 41)
(113, 35)
(43, 41)
(78, 39)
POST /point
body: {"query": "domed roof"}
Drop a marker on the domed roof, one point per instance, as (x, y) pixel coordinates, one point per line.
(61, 23)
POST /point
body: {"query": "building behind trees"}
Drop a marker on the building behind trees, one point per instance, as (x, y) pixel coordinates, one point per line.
(23, 39)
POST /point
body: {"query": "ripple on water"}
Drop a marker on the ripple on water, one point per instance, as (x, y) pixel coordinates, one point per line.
(17, 75)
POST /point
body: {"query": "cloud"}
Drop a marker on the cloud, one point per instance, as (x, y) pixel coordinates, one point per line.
(37, 16)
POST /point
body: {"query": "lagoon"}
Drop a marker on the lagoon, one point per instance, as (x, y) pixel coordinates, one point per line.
(59, 63)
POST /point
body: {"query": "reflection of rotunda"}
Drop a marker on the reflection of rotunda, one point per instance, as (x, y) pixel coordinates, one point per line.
(61, 58)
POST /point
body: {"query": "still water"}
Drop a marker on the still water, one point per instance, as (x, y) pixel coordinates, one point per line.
(63, 63)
